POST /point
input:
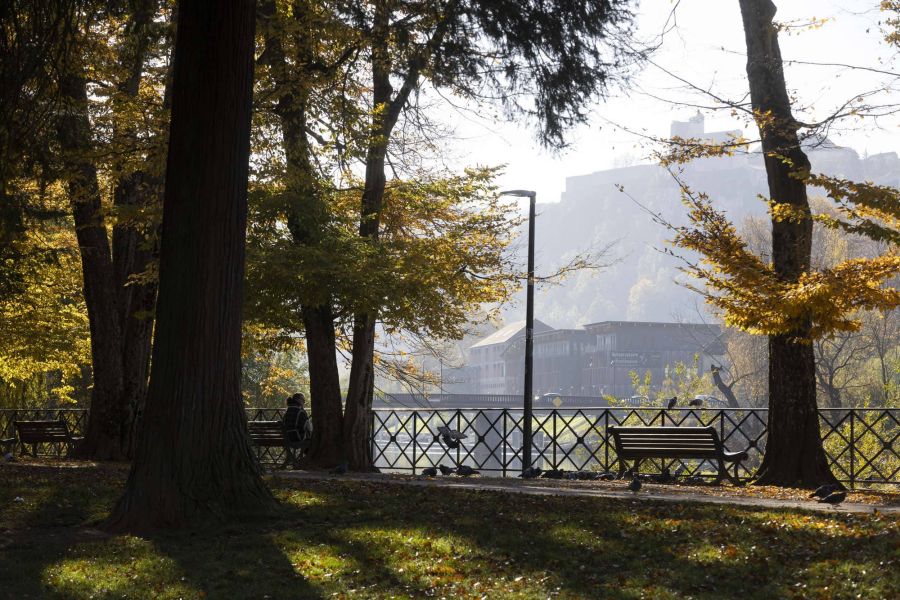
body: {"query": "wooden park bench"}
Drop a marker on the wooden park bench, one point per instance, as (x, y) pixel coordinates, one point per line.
(45, 432)
(639, 443)
(270, 434)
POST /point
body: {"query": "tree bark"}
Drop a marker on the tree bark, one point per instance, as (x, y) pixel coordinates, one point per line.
(193, 458)
(105, 435)
(326, 449)
(794, 454)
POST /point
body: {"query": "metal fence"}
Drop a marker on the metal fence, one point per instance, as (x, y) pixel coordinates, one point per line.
(862, 444)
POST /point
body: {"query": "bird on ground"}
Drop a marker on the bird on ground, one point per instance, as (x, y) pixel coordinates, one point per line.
(664, 477)
(465, 471)
(607, 476)
(554, 474)
(681, 469)
(340, 469)
(694, 480)
(531, 473)
(824, 491)
(696, 403)
(429, 472)
(445, 470)
(627, 473)
(670, 403)
(8, 457)
(834, 498)
(635, 485)
(588, 475)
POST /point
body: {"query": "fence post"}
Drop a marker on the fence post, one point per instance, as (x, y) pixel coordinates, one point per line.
(606, 440)
(503, 444)
(852, 450)
(415, 443)
(553, 413)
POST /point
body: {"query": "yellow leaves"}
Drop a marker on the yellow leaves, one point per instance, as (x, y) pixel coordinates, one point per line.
(682, 150)
(752, 297)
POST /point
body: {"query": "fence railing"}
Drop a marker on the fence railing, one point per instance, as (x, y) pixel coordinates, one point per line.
(862, 444)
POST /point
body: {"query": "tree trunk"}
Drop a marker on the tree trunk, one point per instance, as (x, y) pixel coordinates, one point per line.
(358, 409)
(324, 387)
(724, 388)
(794, 454)
(104, 436)
(193, 458)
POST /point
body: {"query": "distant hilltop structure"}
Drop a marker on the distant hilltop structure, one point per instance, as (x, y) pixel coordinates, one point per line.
(695, 128)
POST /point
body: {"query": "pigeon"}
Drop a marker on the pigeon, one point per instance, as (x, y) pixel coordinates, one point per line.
(834, 498)
(824, 490)
(694, 479)
(450, 437)
(429, 472)
(635, 485)
(554, 474)
(696, 403)
(445, 470)
(627, 473)
(531, 473)
(465, 471)
(340, 469)
(8, 457)
(670, 403)
(681, 469)
(664, 477)
(588, 475)
(607, 476)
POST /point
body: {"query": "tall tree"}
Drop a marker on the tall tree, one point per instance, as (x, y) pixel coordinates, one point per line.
(110, 48)
(786, 299)
(193, 459)
(479, 51)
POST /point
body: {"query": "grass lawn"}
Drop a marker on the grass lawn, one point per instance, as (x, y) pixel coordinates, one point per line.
(364, 540)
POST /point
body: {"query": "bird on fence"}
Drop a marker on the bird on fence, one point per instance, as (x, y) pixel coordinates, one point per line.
(450, 437)
(465, 471)
(670, 403)
(554, 474)
(825, 490)
(445, 470)
(635, 485)
(340, 469)
(531, 473)
(696, 403)
(429, 472)
(834, 498)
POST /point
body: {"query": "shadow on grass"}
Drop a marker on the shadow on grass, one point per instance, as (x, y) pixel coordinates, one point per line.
(391, 541)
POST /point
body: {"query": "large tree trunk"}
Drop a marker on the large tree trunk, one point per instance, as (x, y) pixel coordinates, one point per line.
(794, 454)
(105, 437)
(193, 458)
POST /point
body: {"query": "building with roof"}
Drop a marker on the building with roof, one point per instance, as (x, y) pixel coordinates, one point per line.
(486, 365)
(619, 347)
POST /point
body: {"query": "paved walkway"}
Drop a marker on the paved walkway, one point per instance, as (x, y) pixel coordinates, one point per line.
(649, 492)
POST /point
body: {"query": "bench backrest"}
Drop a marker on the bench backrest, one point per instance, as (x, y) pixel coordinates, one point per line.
(266, 433)
(35, 432)
(666, 442)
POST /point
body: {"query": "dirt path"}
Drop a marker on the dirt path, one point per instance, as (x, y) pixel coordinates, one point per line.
(649, 492)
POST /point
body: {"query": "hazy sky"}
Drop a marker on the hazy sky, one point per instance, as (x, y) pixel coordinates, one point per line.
(707, 49)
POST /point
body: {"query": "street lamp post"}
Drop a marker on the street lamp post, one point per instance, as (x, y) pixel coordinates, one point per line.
(528, 400)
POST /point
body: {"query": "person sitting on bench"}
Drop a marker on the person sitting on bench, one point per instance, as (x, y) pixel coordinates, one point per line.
(297, 426)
